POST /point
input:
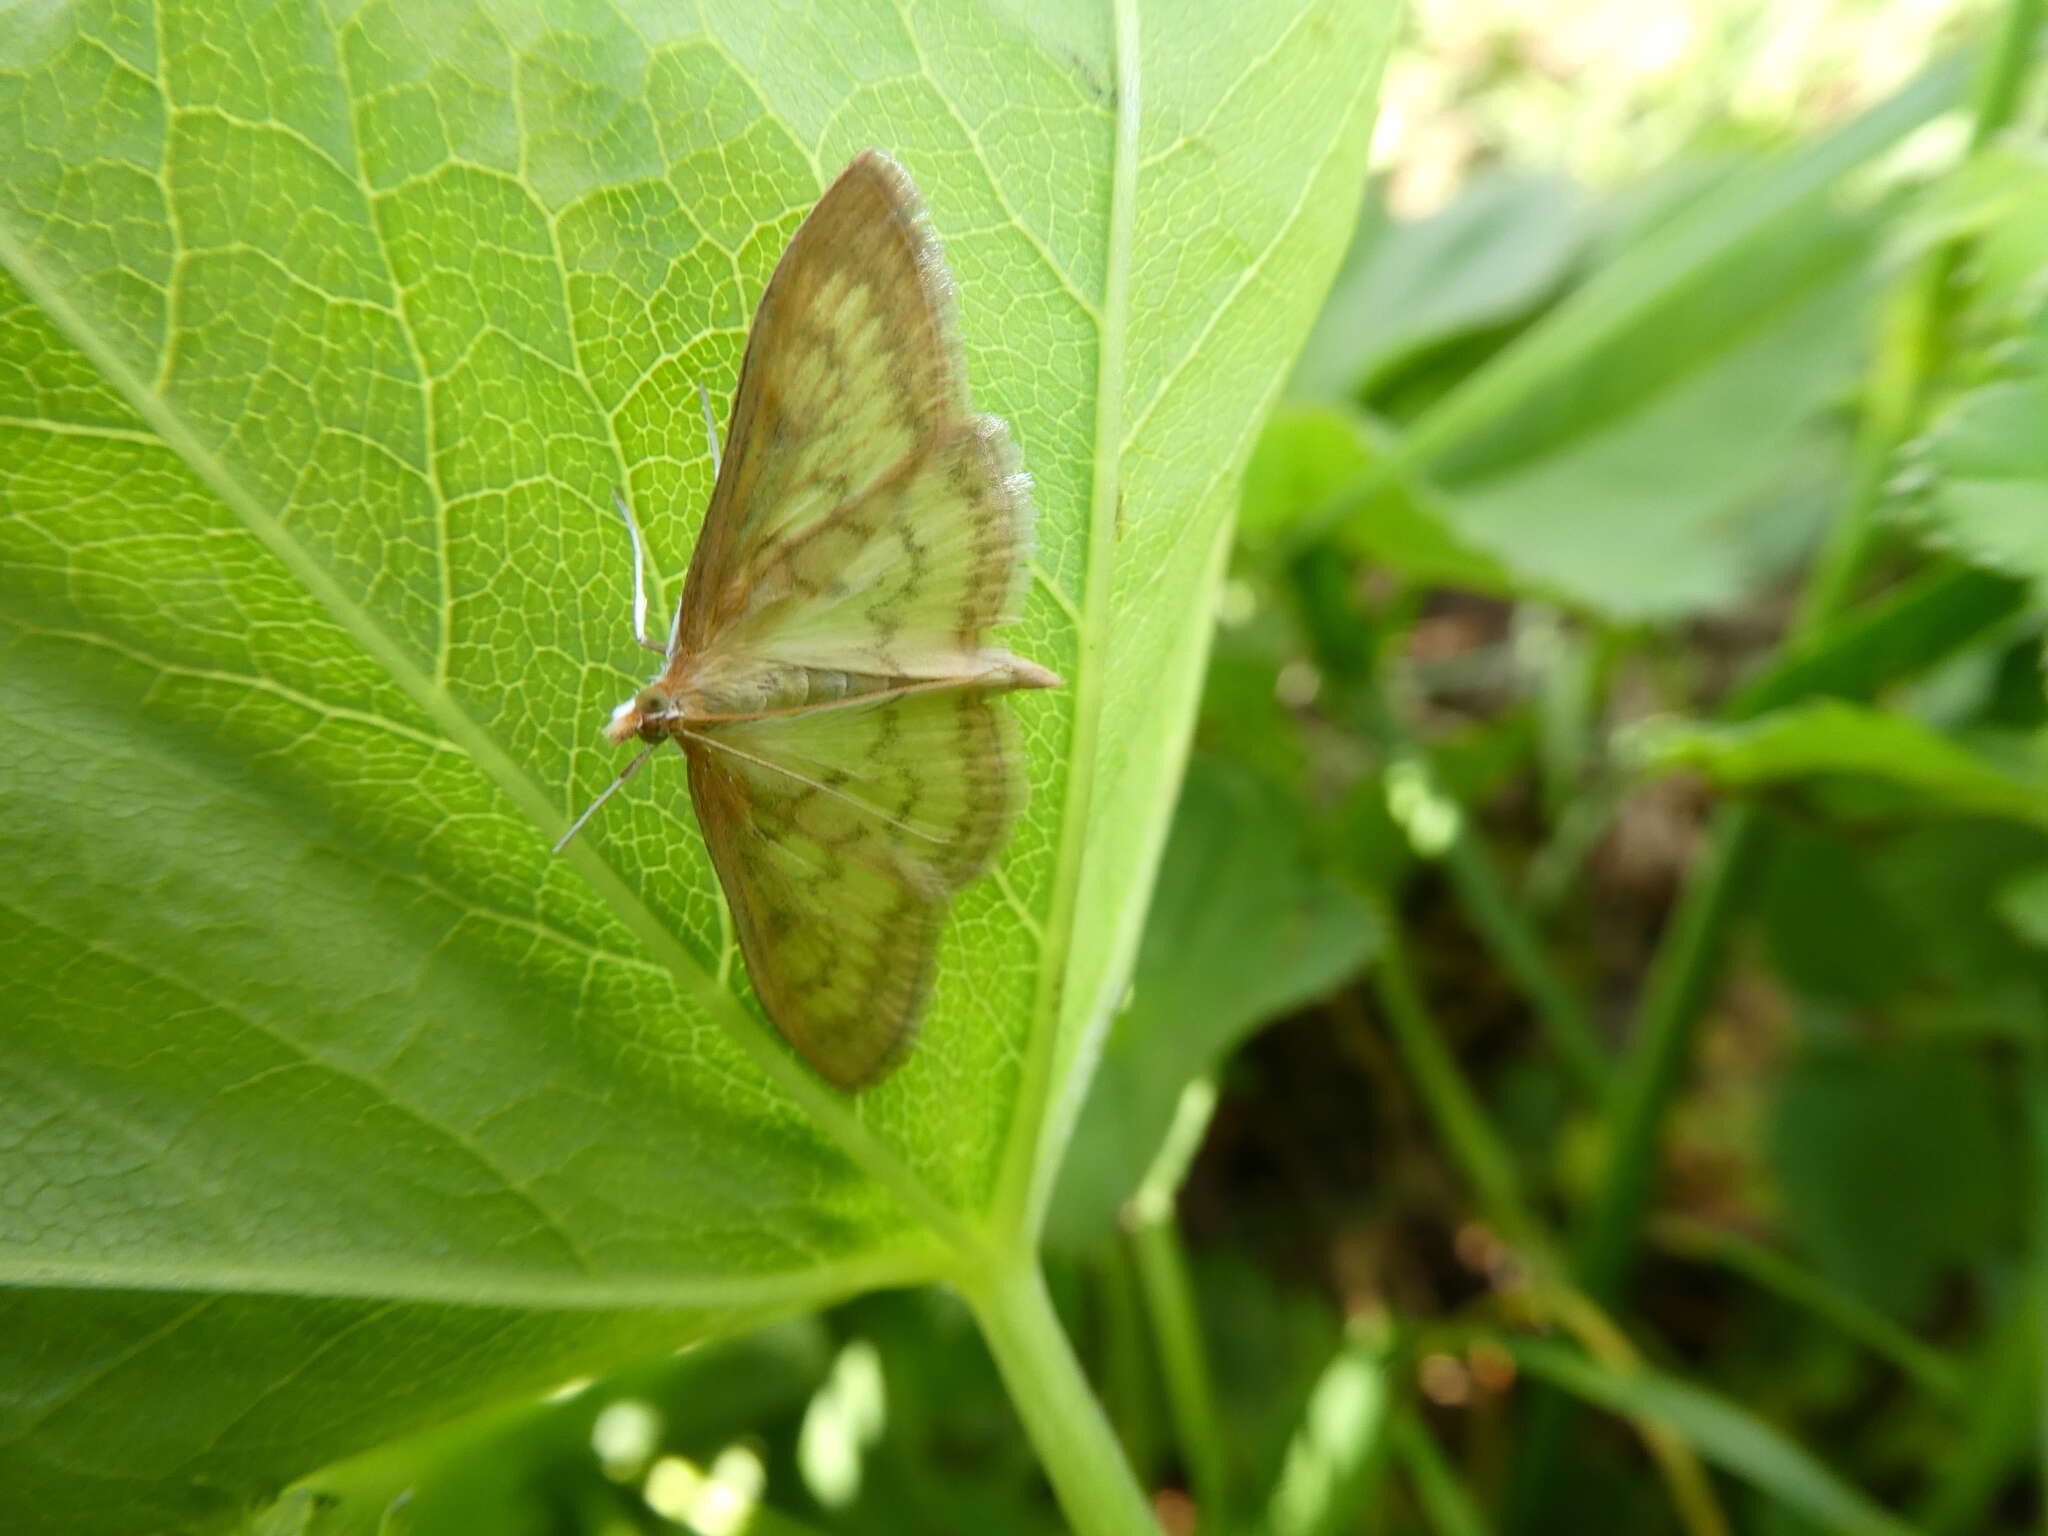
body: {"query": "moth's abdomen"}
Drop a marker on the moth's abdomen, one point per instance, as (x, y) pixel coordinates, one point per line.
(775, 687)
(824, 687)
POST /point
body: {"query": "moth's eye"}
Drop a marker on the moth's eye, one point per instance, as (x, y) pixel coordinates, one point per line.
(651, 701)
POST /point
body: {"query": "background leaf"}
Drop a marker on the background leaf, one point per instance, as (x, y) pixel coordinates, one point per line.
(1724, 1432)
(1308, 453)
(1494, 253)
(321, 348)
(1646, 340)
(1830, 737)
(1244, 927)
(1646, 481)
(1987, 467)
(1890, 1164)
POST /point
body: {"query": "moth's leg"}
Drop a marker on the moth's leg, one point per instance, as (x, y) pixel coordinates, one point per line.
(609, 790)
(710, 428)
(639, 579)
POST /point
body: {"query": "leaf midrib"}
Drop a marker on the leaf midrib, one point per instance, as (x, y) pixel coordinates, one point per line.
(1025, 1156)
(473, 1285)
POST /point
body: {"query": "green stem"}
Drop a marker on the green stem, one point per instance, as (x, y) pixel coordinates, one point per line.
(1930, 1368)
(1183, 1364)
(1687, 964)
(1683, 976)
(1482, 1156)
(1128, 1370)
(1340, 638)
(2005, 72)
(2037, 1276)
(1337, 1455)
(1845, 550)
(1449, 1507)
(1998, 1426)
(1075, 1444)
(1500, 922)
(1162, 1266)
(1909, 341)
(1486, 1163)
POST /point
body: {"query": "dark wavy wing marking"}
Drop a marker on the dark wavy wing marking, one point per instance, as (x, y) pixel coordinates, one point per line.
(840, 837)
(906, 579)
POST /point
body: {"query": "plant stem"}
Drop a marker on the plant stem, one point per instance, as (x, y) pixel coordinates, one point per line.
(1337, 1455)
(1128, 1371)
(1150, 1220)
(1337, 634)
(2005, 72)
(1930, 1368)
(1687, 964)
(1997, 1427)
(1075, 1444)
(2037, 1125)
(1484, 1160)
(1682, 978)
(1449, 1507)
(2035, 1303)
(1683, 974)
(1481, 1156)
(1183, 1364)
(1499, 919)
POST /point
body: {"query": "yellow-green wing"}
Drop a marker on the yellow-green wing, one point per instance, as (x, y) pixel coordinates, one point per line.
(840, 836)
(864, 519)
(907, 579)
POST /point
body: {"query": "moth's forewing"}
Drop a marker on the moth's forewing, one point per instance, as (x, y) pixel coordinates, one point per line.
(852, 360)
(864, 522)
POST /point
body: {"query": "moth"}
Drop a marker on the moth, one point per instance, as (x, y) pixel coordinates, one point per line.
(829, 674)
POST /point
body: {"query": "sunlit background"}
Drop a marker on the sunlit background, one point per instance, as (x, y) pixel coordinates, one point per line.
(1608, 92)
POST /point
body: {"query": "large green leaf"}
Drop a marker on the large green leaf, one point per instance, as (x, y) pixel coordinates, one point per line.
(331, 1101)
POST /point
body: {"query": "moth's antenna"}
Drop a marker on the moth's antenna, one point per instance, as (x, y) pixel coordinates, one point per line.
(710, 427)
(639, 577)
(609, 790)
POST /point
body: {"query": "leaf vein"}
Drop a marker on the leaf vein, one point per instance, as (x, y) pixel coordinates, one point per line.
(822, 1104)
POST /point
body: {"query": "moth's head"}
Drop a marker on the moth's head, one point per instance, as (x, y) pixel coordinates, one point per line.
(638, 716)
